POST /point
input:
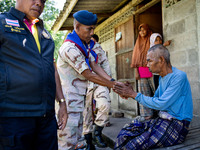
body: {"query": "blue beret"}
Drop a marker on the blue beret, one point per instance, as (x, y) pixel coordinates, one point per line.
(85, 17)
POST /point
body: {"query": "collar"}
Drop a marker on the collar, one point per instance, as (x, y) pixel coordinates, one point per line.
(21, 16)
(32, 22)
(18, 14)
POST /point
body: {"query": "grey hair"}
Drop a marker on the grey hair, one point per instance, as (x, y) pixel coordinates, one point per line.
(75, 23)
(161, 50)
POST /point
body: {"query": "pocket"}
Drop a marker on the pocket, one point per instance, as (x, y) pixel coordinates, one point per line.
(14, 29)
(7, 141)
(73, 119)
(2, 86)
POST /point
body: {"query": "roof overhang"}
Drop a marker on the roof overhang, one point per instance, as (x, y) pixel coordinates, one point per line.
(103, 8)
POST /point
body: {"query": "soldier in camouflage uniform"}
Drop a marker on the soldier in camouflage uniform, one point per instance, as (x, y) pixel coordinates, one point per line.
(74, 66)
(101, 95)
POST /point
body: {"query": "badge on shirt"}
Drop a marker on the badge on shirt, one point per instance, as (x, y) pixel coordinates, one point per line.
(46, 35)
(13, 26)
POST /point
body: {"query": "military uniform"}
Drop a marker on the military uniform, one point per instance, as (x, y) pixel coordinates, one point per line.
(100, 94)
(71, 63)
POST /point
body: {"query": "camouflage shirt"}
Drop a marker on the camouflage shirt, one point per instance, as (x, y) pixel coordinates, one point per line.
(71, 63)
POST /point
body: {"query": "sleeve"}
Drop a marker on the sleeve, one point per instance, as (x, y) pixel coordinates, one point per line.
(105, 64)
(103, 60)
(169, 96)
(73, 56)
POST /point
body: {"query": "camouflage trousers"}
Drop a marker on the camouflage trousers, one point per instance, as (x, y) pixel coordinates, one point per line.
(102, 98)
(146, 87)
(69, 137)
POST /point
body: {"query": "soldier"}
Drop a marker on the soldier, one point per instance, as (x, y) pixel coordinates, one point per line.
(74, 66)
(101, 95)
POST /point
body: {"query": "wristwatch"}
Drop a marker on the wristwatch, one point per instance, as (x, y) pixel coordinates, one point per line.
(61, 100)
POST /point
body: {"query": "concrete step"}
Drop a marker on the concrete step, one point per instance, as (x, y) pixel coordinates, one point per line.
(110, 133)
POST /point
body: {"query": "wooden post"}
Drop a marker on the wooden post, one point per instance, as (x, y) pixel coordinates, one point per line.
(145, 7)
(63, 16)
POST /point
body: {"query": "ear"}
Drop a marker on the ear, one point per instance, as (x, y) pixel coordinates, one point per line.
(77, 26)
(162, 60)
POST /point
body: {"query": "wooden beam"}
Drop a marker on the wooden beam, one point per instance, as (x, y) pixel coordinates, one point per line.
(145, 7)
(65, 13)
(136, 2)
(106, 15)
(114, 16)
(67, 28)
(120, 5)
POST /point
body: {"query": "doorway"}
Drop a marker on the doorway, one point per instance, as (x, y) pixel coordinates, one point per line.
(152, 16)
(127, 33)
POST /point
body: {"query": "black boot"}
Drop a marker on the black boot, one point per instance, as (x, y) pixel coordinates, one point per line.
(88, 138)
(98, 138)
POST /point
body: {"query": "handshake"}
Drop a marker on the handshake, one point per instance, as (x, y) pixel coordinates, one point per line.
(125, 90)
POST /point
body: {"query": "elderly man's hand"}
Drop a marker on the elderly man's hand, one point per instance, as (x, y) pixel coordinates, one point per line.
(62, 116)
(125, 90)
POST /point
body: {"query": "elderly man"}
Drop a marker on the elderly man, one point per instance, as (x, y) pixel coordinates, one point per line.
(75, 62)
(174, 100)
(27, 81)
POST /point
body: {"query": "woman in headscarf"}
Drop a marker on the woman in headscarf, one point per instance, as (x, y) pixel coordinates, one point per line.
(155, 39)
(142, 74)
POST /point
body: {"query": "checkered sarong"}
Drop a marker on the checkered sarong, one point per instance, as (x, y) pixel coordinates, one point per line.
(146, 87)
(151, 134)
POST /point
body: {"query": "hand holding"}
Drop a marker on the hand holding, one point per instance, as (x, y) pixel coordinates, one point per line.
(125, 90)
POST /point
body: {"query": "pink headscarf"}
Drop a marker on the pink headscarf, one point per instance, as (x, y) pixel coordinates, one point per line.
(153, 38)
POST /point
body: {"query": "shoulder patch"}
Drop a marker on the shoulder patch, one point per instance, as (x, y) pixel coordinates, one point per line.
(12, 22)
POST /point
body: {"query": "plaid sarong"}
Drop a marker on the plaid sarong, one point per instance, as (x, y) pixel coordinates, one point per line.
(146, 87)
(152, 134)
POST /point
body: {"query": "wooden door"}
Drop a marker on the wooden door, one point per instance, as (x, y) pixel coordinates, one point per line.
(124, 48)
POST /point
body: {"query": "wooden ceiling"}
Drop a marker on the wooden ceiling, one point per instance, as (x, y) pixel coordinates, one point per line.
(103, 8)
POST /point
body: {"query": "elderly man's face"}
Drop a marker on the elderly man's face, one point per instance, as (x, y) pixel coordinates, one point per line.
(153, 62)
(85, 32)
(32, 8)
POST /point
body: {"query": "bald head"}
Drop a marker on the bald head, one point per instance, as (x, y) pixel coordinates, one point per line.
(160, 50)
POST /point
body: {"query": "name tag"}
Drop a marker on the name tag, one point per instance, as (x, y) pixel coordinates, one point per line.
(14, 29)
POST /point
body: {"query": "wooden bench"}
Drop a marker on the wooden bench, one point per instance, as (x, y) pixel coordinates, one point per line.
(192, 141)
